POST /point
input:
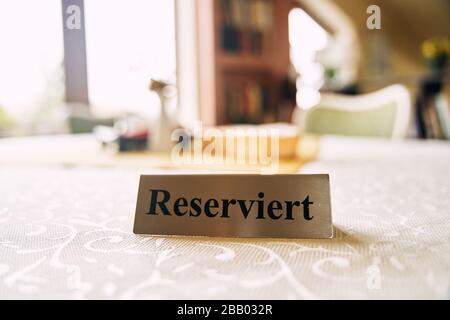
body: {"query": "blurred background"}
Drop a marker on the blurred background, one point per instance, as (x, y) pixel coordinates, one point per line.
(226, 61)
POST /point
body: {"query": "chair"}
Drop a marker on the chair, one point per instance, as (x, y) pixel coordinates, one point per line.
(385, 113)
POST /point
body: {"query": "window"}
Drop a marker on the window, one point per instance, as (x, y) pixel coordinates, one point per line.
(128, 43)
(31, 60)
(307, 38)
(336, 49)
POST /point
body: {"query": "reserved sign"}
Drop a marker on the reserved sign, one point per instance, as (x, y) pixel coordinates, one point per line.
(250, 206)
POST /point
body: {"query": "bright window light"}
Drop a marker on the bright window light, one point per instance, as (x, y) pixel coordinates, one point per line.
(128, 43)
(305, 30)
(31, 57)
(307, 38)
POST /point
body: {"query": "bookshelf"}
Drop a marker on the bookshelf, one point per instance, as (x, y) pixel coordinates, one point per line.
(433, 108)
(243, 48)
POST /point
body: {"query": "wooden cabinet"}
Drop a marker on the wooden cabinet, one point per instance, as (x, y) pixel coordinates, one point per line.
(243, 48)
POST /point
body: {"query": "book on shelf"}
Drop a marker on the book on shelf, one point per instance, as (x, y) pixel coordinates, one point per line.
(443, 113)
(432, 123)
(435, 117)
(246, 103)
(245, 24)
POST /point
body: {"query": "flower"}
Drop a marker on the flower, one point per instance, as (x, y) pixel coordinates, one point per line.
(436, 48)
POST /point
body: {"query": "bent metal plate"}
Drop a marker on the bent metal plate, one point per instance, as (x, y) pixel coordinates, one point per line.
(249, 206)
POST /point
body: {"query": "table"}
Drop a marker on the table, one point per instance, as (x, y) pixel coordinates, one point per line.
(66, 233)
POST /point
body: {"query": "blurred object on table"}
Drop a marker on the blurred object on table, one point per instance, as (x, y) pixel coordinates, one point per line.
(167, 121)
(134, 133)
(85, 150)
(240, 138)
(250, 141)
(130, 133)
(81, 120)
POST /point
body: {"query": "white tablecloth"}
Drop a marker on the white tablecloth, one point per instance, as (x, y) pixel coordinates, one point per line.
(67, 233)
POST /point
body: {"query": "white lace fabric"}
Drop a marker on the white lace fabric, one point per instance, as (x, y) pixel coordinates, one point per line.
(66, 233)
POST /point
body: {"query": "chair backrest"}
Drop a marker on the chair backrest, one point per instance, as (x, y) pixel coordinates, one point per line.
(384, 113)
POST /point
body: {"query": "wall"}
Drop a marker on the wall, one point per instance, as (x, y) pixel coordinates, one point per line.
(405, 25)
